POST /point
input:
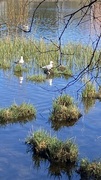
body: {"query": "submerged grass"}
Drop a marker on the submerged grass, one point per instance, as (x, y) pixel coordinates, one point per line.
(15, 112)
(52, 148)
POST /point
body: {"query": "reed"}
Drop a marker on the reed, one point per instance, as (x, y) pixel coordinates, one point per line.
(75, 57)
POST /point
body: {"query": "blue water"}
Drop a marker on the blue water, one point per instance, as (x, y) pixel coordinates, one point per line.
(15, 162)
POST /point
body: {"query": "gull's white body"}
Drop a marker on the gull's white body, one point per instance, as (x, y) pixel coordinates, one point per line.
(25, 27)
(49, 66)
(21, 61)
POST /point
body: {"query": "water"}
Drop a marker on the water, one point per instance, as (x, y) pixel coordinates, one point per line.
(15, 162)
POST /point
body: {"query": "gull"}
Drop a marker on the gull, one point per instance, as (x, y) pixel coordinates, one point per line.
(20, 61)
(48, 67)
(25, 28)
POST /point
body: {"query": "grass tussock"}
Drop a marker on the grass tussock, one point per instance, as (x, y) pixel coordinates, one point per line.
(19, 69)
(64, 109)
(52, 148)
(15, 112)
(36, 78)
(89, 91)
(61, 71)
(90, 170)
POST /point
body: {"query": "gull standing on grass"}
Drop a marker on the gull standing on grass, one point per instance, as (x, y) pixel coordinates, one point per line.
(48, 67)
(20, 61)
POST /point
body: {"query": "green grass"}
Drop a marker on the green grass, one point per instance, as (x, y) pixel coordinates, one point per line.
(90, 170)
(36, 78)
(75, 56)
(19, 69)
(89, 91)
(52, 148)
(64, 109)
(16, 113)
(61, 71)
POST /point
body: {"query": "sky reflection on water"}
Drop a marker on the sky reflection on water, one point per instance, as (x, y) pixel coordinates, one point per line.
(15, 162)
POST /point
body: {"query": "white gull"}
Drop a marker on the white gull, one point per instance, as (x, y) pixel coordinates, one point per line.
(49, 66)
(21, 60)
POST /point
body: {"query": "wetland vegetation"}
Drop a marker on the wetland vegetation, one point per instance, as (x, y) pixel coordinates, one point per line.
(67, 108)
(20, 113)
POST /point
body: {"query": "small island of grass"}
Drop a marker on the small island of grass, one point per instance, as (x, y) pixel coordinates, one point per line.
(36, 78)
(17, 113)
(52, 148)
(90, 170)
(64, 109)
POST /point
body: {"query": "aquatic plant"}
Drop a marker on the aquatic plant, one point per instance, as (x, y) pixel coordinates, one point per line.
(15, 112)
(64, 109)
(36, 78)
(90, 170)
(89, 91)
(4, 65)
(61, 71)
(52, 148)
(19, 69)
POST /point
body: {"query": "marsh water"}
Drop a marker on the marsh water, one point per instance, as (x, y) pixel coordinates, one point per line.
(15, 160)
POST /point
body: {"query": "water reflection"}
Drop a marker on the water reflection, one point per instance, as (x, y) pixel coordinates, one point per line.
(20, 121)
(50, 81)
(21, 79)
(56, 125)
(55, 169)
(88, 103)
(96, 19)
(49, 21)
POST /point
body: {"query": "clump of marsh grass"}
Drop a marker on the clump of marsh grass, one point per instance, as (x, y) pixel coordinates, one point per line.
(89, 91)
(36, 78)
(15, 112)
(52, 148)
(90, 170)
(5, 65)
(61, 71)
(64, 109)
(19, 69)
